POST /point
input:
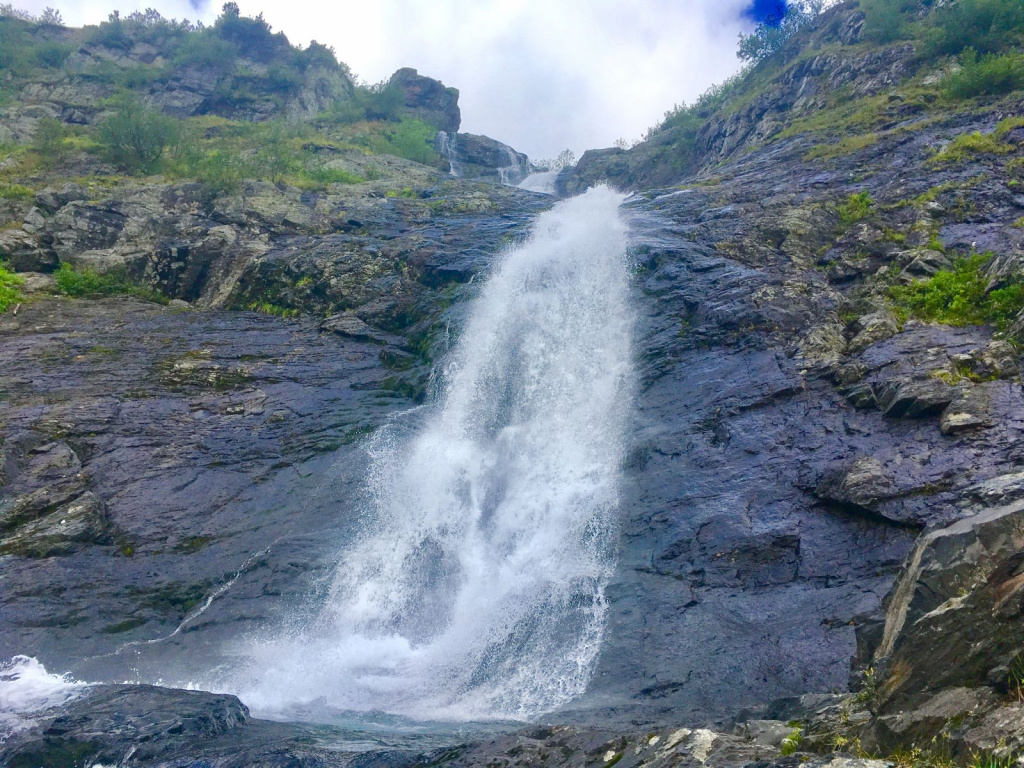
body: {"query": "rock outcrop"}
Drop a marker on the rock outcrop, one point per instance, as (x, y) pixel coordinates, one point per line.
(428, 99)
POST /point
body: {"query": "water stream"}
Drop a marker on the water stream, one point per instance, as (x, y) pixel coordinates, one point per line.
(476, 589)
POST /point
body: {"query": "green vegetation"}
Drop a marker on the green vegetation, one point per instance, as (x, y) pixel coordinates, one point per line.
(987, 26)
(89, 283)
(9, 293)
(268, 308)
(15, 192)
(135, 138)
(856, 208)
(368, 119)
(49, 141)
(886, 21)
(968, 144)
(791, 743)
(992, 74)
(771, 35)
(960, 296)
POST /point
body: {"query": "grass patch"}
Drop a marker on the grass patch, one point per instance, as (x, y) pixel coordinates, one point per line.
(958, 297)
(856, 208)
(9, 293)
(88, 283)
(16, 192)
(969, 144)
(846, 146)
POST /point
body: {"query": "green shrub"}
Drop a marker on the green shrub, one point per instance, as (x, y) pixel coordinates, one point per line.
(49, 141)
(135, 138)
(9, 293)
(988, 75)
(86, 282)
(275, 156)
(886, 21)
(856, 208)
(958, 296)
(205, 49)
(987, 26)
(111, 33)
(253, 36)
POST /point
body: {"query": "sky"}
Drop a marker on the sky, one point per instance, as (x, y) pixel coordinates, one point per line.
(540, 75)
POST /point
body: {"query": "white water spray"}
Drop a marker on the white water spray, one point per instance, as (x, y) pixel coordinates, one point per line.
(543, 182)
(27, 688)
(478, 590)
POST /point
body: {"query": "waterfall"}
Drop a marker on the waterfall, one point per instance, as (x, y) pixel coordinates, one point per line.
(447, 146)
(512, 172)
(476, 589)
(543, 182)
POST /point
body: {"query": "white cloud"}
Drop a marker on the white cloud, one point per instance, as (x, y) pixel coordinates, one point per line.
(541, 75)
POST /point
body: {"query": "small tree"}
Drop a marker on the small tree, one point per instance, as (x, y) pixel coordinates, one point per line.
(135, 138)
(48, 141)
(771, 34)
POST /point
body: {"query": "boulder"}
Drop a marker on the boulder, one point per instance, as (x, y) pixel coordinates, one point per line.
(955, 618)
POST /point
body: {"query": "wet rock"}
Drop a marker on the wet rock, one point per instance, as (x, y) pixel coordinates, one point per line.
(914, 398)
(484, 157)
(151, 726)
(861, 484)
(871, 329)
(21, 250)
(82, 521)
(970, 409)
(954, 615)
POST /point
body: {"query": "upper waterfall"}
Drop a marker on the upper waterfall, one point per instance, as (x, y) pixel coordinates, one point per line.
(476, 589)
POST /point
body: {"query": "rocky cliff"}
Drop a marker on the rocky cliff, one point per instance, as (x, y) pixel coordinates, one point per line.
(820, 545)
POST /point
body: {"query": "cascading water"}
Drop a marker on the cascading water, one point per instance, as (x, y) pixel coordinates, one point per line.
(512, 172)
(477, 591)
(447, 146)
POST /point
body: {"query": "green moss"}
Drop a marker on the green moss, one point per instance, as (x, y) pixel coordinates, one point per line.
(1019, 223)
(9, 293)
(958, 297)
(856, 208)
(408, 193)
(88, 283)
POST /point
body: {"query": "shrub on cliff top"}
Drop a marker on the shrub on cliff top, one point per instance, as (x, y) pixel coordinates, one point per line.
(771, 34)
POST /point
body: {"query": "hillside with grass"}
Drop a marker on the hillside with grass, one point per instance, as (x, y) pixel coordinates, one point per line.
(146, 96)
